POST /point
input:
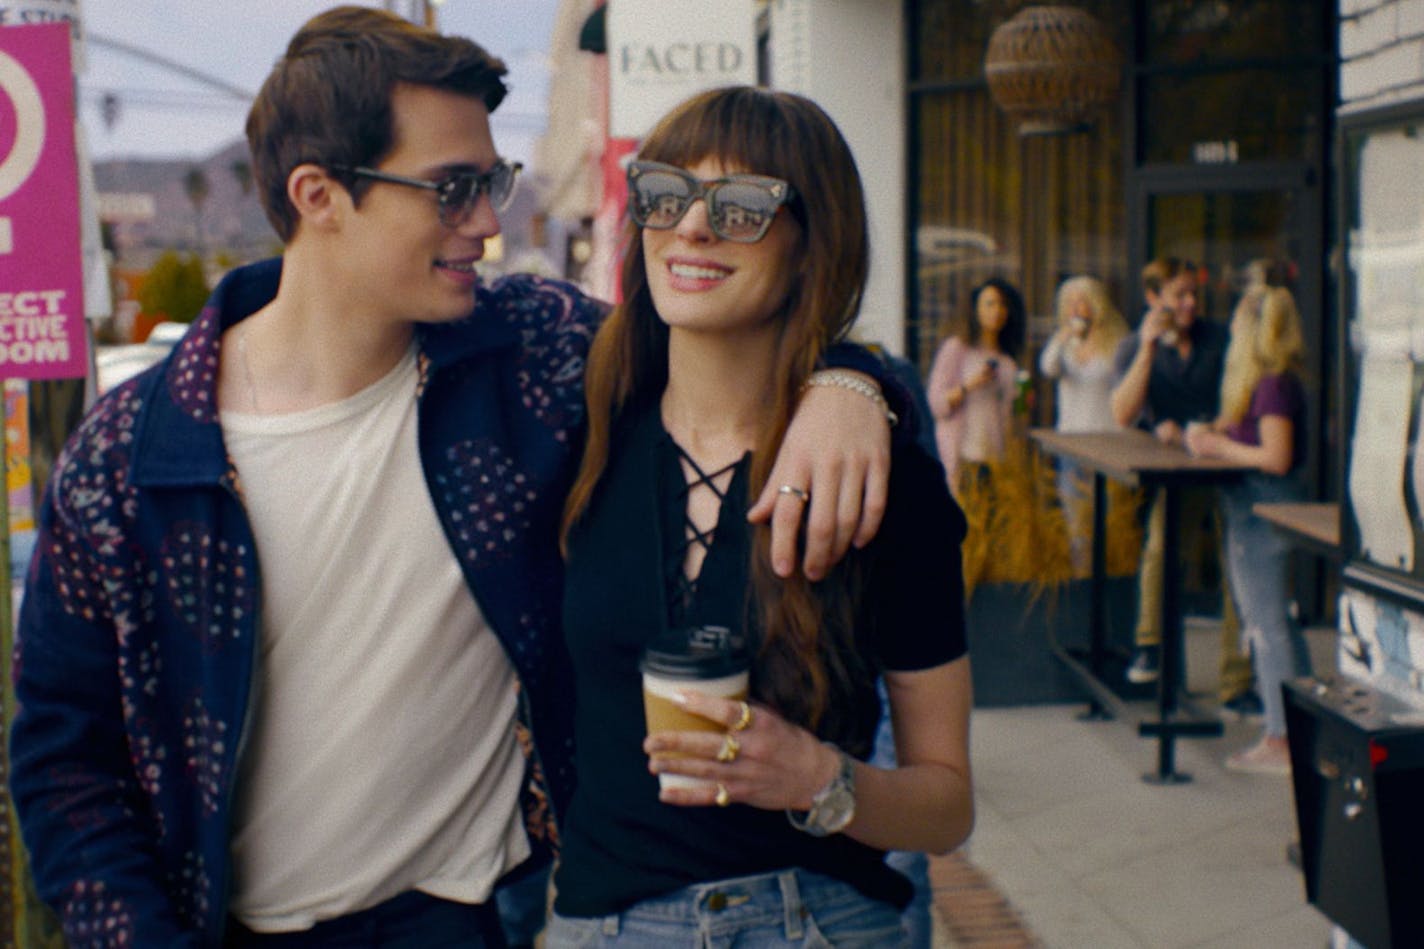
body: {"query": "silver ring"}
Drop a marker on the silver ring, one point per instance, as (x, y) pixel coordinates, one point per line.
(794, 491)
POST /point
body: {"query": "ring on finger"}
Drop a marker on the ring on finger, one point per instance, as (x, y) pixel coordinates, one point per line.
(794, 491)
(729, 750)
(723, 798)
(745, 722)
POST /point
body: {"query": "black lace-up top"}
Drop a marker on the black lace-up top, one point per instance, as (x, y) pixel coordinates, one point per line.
(625, 583)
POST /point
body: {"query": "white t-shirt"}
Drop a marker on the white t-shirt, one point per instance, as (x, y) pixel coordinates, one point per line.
(380, 754)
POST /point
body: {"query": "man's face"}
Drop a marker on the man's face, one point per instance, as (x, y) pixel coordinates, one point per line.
(1179, 298)
(404, 262)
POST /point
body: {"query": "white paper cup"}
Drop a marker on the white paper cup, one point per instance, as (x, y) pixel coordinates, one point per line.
(707, 660)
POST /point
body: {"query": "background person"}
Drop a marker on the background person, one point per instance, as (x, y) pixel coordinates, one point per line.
(747, 256)
(971, 384)
(223, 739)
(1169, 374)
(1079, 357)
(1262, 423)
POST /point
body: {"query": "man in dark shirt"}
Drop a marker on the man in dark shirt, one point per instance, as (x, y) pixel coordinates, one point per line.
(1169, 374)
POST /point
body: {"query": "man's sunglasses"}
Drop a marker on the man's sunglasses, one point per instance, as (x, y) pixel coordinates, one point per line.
(458, 193)
(740, 208)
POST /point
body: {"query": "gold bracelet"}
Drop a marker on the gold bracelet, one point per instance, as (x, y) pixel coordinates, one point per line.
(846, 380)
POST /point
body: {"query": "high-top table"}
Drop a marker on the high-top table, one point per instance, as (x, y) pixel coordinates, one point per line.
(1312, 525)
(1138, 459)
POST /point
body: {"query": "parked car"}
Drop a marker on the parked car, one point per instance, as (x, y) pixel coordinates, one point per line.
(114, 364)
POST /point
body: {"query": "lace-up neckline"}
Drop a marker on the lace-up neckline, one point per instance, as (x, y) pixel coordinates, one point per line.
(684, 568)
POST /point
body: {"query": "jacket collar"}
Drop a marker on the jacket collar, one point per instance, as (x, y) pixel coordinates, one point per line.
(178, 436)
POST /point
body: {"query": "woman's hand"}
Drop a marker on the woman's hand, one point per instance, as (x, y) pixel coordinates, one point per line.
(1203, 441)
(769, 763)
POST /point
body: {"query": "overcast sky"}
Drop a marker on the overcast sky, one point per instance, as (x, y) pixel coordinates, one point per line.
(162, 113)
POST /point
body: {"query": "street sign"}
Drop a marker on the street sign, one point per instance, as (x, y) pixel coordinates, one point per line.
(42, 333)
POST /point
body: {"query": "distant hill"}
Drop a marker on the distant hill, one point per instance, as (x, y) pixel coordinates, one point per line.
(230, 220)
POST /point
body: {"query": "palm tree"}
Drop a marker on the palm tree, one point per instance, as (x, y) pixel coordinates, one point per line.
(195, 184)
(241, 170)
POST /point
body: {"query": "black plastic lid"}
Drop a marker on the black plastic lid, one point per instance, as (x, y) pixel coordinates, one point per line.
(697, 652)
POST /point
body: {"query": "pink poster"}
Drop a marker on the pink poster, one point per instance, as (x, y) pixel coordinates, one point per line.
(41, 271)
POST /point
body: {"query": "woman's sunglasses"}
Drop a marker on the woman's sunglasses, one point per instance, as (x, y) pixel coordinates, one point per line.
(740, 208)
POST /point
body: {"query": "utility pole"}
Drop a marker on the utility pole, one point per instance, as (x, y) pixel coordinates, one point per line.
(416, 11)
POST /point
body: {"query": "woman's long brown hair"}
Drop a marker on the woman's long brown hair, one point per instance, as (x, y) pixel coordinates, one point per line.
(807, 665)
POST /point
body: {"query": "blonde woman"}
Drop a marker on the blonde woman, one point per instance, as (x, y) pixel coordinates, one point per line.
(1262, 423)
(1079, 356)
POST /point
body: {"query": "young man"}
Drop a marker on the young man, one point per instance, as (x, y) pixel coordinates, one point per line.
(1169, 374)
(288, 666)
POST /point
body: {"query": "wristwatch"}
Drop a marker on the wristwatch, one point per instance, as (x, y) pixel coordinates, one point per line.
(833, 807)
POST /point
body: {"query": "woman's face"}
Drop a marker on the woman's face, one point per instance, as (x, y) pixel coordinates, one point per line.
(702, 283)
(1080, 307)
(991, 310)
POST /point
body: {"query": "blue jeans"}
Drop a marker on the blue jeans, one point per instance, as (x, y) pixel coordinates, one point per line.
(412, 920)
(785, 908)
(1257, 556)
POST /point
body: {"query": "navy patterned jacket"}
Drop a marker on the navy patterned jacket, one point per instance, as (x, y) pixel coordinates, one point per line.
(137, 637)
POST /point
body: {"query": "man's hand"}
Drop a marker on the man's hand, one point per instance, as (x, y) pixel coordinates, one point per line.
(1157, 322)
(1168, 432)
(837, 450)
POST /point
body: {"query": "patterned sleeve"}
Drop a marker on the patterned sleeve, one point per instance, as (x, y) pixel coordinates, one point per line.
(85, 822)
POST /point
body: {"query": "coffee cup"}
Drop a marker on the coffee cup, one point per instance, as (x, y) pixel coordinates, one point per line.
(1079, 326)
(711, 660)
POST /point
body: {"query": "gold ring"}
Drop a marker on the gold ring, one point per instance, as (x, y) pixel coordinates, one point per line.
(730, 749)
(745, 722)
(794, 491)
(722, 798)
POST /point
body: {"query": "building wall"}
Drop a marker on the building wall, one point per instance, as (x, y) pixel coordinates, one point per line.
(849, 56)
(1381, 52)
(1382, 64)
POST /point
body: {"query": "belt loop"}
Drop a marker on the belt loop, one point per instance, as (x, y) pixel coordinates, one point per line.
(610, 925)
(791, 905)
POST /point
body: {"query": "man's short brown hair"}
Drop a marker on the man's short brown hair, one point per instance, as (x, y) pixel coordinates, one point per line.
(1159, 272)
(328, 100)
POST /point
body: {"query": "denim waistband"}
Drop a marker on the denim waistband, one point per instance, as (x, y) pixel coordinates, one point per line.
(780, 898)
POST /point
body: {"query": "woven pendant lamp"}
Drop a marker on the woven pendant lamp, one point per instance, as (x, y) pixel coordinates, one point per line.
(1050, 67)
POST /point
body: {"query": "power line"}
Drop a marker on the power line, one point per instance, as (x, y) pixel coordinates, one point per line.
(157, 59)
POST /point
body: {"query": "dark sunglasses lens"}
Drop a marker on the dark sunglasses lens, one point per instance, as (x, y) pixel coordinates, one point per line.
(659, 199)
(460, 194)
(742, 211)
(501, 185)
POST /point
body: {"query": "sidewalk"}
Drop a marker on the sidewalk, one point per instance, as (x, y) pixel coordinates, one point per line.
(1075, 846)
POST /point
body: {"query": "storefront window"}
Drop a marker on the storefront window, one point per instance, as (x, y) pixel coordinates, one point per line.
(1206, 31)
(1230, 116)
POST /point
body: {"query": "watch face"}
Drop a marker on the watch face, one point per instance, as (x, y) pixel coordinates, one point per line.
(837, 810)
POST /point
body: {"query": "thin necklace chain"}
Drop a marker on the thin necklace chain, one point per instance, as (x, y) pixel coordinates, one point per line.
(247, 371)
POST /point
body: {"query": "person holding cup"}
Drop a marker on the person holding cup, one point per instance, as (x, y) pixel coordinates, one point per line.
(747, 255)
(1079, 356)
(1168, 375)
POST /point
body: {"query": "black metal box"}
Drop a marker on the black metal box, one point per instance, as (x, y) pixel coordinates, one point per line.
(1357, 763)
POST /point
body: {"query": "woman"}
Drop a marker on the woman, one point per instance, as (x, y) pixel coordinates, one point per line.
(971, 384)
(1262, 423)
(747, 256)
(1080, 356)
